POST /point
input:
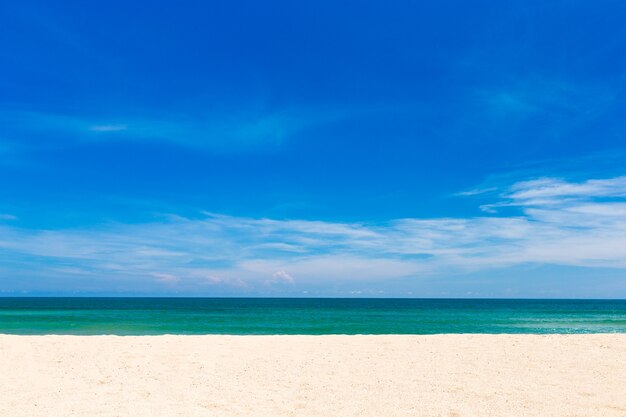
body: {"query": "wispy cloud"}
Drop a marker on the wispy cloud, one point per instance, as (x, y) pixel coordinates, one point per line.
(553, 96)
(216, 130)
(541, 105)
(558, 192)
(108, 128)
(560, 223)
(528, 191)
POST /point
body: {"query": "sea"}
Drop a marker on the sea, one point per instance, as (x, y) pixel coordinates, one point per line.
(306, 316)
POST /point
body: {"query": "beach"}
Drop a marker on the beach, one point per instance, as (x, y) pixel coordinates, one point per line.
(384, 375)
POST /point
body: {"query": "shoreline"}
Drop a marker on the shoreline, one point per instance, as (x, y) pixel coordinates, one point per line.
(313, 375)
(306, 334)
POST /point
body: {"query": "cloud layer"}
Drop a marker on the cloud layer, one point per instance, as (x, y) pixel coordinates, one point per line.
(556, 222)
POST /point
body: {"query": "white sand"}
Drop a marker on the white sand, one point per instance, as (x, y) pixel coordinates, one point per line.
(383, 376)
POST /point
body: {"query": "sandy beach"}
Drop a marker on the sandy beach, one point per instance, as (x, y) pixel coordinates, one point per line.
(443, 375)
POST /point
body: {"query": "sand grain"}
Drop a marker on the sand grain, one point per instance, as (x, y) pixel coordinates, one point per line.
(383, 376)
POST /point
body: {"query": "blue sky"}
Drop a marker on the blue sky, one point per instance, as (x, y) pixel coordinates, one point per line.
(437, 149)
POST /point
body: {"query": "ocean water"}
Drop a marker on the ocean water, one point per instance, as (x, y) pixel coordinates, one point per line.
(241, 316)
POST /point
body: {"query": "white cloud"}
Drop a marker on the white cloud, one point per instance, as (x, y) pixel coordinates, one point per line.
(168, 278)
(280, 277)
(558, 223)
(539, 190)
(558, 193)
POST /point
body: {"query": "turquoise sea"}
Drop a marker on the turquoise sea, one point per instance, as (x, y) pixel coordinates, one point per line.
(151, 316)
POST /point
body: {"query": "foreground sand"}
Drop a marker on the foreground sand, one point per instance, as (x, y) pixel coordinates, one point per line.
(383, 376)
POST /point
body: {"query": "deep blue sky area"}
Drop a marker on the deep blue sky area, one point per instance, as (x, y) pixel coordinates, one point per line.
(329, 148)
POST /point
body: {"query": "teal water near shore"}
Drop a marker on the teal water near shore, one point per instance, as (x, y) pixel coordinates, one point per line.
(240, 316)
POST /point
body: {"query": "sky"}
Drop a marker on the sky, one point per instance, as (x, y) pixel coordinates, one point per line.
(313, 149)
